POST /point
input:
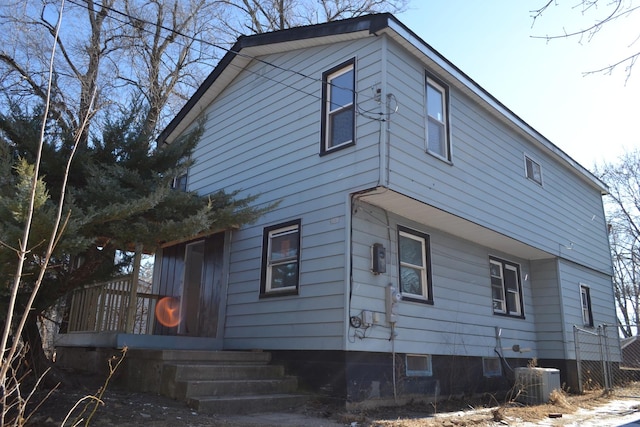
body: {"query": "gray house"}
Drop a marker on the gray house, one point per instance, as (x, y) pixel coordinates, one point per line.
(426, 238)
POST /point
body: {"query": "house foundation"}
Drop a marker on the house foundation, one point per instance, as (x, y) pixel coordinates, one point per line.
(364, 376)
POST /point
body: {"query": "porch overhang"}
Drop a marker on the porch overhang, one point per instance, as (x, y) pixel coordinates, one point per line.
(433, 217)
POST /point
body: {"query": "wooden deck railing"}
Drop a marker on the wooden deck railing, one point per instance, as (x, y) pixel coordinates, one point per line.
(104, 307)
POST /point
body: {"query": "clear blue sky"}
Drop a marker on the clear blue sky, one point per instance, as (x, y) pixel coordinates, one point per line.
(592, 118)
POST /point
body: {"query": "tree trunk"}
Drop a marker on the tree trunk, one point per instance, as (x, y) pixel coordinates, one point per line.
(35, 362)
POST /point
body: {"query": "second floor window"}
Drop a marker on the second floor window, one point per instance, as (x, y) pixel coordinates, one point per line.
(437, 119)
(533, 170)
(338, 107)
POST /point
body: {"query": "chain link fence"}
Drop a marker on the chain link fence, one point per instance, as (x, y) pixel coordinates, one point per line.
(606, 361)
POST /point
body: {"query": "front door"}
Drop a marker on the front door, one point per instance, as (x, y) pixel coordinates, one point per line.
(192, 286)
(192, 275)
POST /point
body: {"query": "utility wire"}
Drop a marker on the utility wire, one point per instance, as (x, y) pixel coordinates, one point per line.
(84, 3)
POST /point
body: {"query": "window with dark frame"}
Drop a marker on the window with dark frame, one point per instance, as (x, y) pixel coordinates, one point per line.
(281, 259)
(533, 170)
(585, 298)
(414, 263)
(338, 107)
(506, 289)
(180, 182)
(437, 126)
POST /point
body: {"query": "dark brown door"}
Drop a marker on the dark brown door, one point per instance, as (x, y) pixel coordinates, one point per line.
(192, 274)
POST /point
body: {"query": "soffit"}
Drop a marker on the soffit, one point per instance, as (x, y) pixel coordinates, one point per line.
(441, 220)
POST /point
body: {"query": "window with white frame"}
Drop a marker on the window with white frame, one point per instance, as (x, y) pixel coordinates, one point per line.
(281, 259)
(533, 170)
(437, 119)
(418, 365)
(585, 298)
(506, 289)
(414, 261)
(338, 107)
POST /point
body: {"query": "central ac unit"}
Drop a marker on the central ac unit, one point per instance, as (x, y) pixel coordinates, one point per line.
(536, 384)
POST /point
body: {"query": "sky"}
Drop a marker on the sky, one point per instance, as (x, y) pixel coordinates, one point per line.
(593, 118)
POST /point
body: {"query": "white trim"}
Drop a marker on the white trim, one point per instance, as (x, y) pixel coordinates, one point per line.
(347, 269)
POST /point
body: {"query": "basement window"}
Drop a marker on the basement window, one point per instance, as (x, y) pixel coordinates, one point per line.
(418, 365)
(491, 367)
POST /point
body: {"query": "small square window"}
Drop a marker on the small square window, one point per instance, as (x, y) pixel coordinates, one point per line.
(338, 107)
(437, 123)
(418, 365)
(491, 367)
(585, 298)
(533, 170)
(280, 259)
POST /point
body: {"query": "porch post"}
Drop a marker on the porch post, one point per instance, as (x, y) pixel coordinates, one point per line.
(133, 296)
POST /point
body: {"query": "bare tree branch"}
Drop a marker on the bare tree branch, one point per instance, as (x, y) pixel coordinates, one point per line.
(617, 11)
(623, 210)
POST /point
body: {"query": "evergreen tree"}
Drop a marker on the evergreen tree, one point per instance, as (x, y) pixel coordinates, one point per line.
(119, 195)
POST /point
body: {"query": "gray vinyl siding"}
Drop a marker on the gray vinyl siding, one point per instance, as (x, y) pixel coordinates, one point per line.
(461, 320)
(602, 302)
(263, 138)
(550, 327)
(486, 181)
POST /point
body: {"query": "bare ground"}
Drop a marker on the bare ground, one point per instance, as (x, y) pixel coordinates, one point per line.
(121, 407)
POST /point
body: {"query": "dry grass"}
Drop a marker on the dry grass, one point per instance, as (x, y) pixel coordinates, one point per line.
(482, 411)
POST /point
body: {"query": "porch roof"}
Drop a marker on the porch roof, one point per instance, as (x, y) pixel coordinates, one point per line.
(439, 219)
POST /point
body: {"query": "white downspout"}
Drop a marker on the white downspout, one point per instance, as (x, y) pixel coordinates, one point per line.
(383, 148)
(347, 270)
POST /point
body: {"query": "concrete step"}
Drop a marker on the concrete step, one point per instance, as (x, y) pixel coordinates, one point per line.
(246, 404)
(225, 382)
(187, 389)
(197, 371)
